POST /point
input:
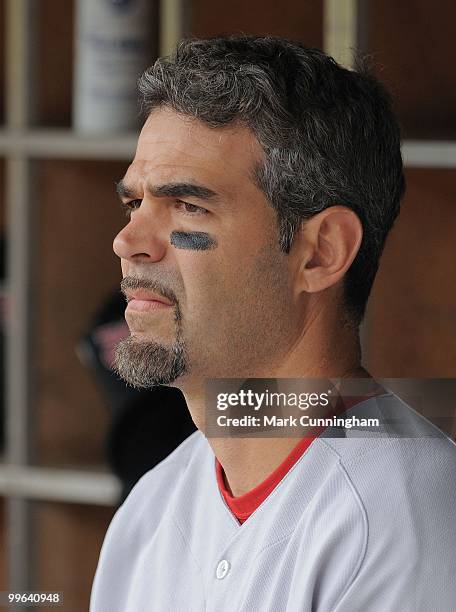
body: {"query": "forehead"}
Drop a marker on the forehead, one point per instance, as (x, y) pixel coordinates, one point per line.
(173, 146)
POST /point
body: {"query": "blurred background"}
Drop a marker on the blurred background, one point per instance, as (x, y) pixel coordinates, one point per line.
(74, 438)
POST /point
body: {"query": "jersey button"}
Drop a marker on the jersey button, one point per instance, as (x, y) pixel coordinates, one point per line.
(222, 569)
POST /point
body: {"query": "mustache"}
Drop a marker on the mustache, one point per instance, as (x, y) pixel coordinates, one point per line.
(132, 283)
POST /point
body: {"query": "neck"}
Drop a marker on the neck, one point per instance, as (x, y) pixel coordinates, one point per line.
(248, 461)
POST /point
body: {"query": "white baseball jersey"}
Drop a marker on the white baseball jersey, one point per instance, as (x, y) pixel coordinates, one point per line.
(361, 523)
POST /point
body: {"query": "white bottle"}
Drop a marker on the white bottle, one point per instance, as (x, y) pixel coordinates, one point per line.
(113, 42)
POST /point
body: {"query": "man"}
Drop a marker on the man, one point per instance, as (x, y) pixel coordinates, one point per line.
(264, 184)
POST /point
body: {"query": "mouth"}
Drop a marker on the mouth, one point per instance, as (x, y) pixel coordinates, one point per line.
(143, 301)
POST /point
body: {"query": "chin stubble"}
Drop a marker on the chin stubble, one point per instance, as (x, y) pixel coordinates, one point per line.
(144, 364)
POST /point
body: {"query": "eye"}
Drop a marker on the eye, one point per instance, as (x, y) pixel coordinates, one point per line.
(190, 209)
(129, 207)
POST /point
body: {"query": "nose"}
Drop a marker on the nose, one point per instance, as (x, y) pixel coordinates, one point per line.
(140, 238)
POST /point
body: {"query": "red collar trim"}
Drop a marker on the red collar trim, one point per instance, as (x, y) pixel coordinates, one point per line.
(243, 506)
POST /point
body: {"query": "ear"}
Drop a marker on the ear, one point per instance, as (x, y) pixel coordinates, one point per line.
(326, 246)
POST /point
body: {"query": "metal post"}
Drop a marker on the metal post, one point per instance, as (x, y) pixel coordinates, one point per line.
(19, 87)
(174, 18)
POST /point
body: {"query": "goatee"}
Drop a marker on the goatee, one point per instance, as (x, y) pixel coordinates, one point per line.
(144, 364)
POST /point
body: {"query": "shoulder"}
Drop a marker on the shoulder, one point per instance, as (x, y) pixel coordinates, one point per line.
(399, 429)
(405, 480)
(406, 453)
(404, 476)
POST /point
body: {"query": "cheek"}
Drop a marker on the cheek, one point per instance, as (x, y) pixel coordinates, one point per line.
(203, 277)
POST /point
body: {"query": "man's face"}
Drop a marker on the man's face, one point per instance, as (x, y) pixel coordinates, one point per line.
(203, 238)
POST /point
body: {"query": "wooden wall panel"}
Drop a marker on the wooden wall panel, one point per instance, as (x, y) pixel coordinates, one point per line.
(54, 62)
(76, 270)
(67, 546)
(2, 61)
(412, 310)
(300, 20)
(412, 42)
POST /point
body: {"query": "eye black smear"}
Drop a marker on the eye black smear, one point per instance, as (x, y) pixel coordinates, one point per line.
(193, 241)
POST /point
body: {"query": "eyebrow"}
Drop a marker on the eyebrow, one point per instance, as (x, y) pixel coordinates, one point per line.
(171, 190)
